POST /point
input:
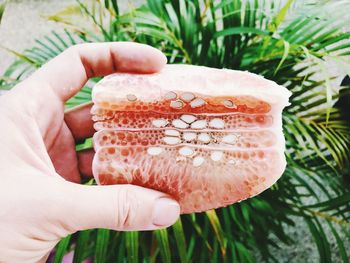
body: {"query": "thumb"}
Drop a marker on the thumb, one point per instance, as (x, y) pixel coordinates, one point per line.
(118, 207)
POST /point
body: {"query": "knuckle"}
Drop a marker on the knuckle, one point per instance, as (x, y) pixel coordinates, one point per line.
(128, 206)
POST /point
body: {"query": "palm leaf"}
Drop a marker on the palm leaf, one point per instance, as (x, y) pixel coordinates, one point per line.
(81, 246)
(61, 249)
(2, 10)
(163, 241)
(103, 236)
(132, 246)
(179, 236)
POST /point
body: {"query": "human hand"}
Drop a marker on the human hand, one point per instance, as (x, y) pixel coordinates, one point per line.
(37, 141)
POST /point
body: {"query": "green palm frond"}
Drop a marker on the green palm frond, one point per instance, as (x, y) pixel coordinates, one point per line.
(33, 58)
(2, 9)
(289, 42)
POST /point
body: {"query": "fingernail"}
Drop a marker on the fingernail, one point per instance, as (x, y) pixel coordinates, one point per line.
(166, 212)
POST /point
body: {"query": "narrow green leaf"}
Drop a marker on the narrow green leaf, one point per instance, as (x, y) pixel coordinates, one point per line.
(132, 246)
(163, 244)
(319, 240)
(215, 255)
(88, 144)
(190, 249)
(2, 10)
(115, 6)
(333, 40)
(277, 20)
(180, 239)
(21, 56)
(215, 223)
(333, 203)
(340, 243)
(285, 55)
(327, 248)
(199, 232)
(69, 10)
(61, 249)
(121, 247)
(174, 18)
(243, 253)
(154, 32)
(154, 250)
(106, 3)
(70, 37)
(81, 245)
(238, 31)
(56, 40)
(102, 239)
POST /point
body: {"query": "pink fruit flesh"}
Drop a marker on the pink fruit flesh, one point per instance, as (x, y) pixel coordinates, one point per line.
(207, 137)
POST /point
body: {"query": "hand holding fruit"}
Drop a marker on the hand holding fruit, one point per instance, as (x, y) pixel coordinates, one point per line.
(37, 205)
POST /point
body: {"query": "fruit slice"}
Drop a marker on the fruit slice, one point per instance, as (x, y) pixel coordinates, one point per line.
(208, 137)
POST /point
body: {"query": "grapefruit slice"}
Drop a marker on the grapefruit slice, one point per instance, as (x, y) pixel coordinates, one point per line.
(208, 137)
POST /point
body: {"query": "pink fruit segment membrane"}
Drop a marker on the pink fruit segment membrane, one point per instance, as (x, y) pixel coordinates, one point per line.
(111, 119)
(234, 139)
(207, 137)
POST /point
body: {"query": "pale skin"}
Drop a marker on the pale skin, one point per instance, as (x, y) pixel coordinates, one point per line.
(40, 198)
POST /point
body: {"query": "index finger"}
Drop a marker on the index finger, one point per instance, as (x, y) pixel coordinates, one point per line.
(67, 73)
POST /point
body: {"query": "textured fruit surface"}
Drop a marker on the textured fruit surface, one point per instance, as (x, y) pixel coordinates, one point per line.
(207, 137)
